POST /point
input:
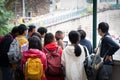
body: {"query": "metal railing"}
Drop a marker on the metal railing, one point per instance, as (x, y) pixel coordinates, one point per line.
(59, 18)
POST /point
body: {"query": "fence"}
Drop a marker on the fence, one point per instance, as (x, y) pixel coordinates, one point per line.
(59, 18)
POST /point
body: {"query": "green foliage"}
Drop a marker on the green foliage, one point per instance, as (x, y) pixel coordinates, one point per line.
(5, 16)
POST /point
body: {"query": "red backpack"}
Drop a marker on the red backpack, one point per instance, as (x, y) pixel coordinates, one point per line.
(54, 66)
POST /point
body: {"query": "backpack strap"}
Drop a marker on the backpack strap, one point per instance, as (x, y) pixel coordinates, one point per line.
(11, 36)
(85, 51)
(46, 50)
(57, 50)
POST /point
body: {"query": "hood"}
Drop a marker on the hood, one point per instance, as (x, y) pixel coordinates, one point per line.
(33, 53)
(69, 50)
(52, 46)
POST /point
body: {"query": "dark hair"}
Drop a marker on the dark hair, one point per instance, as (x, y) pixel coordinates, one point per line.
(82, 34)
(35, 43)
(58, 34)
(22, 28)
(14, 30)
(31, 27)
(42, 30)
(36, 34)
(74, 38)
(49, 37)
(104, 27)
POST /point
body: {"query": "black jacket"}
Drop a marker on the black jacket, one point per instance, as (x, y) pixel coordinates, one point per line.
(108, 46)
(4, 48)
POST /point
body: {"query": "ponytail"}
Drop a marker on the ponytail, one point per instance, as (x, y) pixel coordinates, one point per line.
(77, 50)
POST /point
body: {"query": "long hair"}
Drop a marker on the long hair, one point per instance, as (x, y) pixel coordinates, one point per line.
(35, 43)
(49, 37)
(74, 38)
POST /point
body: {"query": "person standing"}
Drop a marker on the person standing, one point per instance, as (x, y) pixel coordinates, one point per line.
(35, 48)
(5, 66)
(22, 33)
(51, 47)
(73, 57)
(107, 48)
(59, 36)
(84, 41)
(42, 31)
(31, 30)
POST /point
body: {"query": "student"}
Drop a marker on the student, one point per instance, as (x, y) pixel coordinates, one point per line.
(23, 42)
(42, 31)
(35, 47)
(51, 46)
(36, 34)
(31, 30)
(59, 35)
(84, 41)
(6, 67)
(73, 57)
(107, 48)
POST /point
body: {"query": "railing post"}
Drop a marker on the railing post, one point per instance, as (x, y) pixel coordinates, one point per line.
(94, 23)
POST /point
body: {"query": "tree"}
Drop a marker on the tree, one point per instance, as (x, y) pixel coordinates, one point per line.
(5, 16)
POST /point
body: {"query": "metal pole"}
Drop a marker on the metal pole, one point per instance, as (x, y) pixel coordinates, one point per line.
(23, 3)
(94, 23)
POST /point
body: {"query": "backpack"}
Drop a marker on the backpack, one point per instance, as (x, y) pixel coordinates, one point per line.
(33, 69)
(54, 66)
(88, 65)
(14, 52)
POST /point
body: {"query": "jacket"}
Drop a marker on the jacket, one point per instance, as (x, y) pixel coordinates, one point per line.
(38, 53)
(108, 46)
(4, 48)
(52, 47)
(88, 44)
(23, 42)
(74, 67)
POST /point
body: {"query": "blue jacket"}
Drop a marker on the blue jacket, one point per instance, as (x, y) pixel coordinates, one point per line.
(88, 44)
(108, 46)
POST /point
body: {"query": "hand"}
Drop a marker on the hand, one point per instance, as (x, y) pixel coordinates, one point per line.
(95, 50)
(108, 58)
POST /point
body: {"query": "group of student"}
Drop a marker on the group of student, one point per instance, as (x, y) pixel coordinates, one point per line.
(41, 42)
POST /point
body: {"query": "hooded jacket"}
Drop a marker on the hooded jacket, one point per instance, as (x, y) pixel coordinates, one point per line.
(52, 47)
(39, 54)
(74, 67)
